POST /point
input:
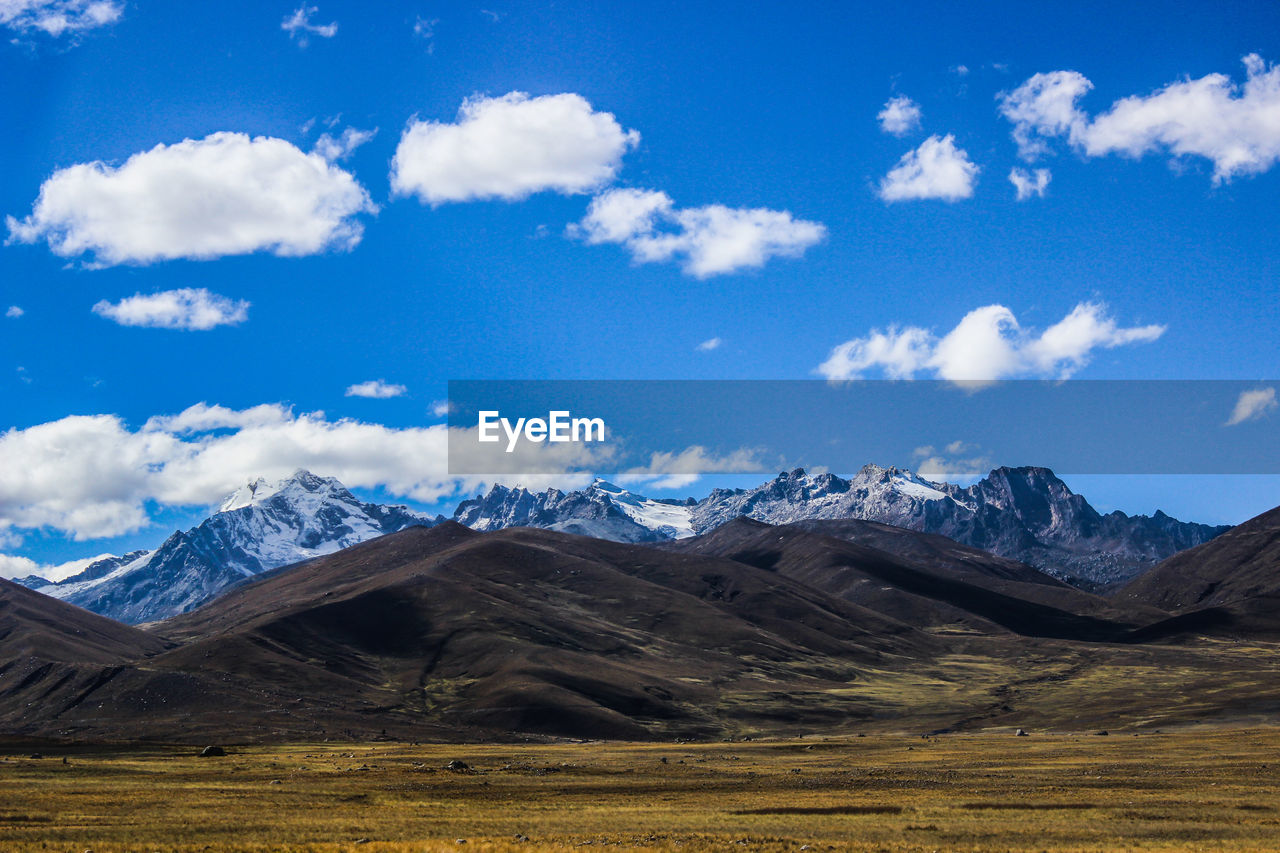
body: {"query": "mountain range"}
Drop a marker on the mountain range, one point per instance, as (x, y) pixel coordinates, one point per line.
(1027, 514)
(1023, 514)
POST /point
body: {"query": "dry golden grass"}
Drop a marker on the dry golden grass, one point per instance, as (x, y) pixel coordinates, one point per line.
(1187, 790)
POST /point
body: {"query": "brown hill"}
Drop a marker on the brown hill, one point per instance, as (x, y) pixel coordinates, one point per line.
(929, 582)
(1229, 585)
(37, 626)
(536, 631)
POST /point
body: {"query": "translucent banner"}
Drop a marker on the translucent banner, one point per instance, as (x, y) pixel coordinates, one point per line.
(948, 428)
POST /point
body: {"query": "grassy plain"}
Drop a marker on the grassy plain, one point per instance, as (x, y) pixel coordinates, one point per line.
(1190, 789)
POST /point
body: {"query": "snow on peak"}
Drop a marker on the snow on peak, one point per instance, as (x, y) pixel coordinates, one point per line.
(247, 495)
(669, 519)
(301, 484)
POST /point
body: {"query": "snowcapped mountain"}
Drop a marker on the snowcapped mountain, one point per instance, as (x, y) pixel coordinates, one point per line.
(602, 510)
(1027, 514)
(261, 526)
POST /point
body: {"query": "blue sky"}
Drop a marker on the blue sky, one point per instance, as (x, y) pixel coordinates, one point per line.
(746, 106)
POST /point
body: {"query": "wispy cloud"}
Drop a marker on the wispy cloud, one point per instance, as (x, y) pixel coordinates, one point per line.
(1253, 405)
(300, 27)
(190, 309)
(58, 18)
(709, 240)
(709, 345)
(376, 389)
(340, 147)
(677, 469)
(425, 29)
(958, 460)
(1028, 184)
(13, 312)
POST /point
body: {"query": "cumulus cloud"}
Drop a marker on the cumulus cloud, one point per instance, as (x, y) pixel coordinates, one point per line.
(375, 389)
(13, 312)
(226, 194)
(58, 18)
(709, 240)
(1235, 127)
(709, 345)
(300, 27)
(900, 116)
(1252, 405)
(937, 169)
(509, 148)
(1028, 184)
(334, 148)
(441, 408)
(987, 344)
(91, 476)
(186, 308)
(898, 353)
(1045, 107)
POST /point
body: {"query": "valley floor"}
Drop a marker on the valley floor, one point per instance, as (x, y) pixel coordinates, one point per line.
(1185, 789)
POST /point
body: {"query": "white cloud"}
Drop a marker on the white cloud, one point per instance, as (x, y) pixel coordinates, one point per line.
(58, 17)
(900, 116)
(186, 308)
(709, 240)
(13, 312)
(709, 345)
(376, 389)
(509, 148)
(1252, 405)
(93, 476)
(1066, 346)
(1045, 106)
(675, 470)
(441, 408)
(1235, 127)
(225, 194)
(340, 147)
(13, 566)
(937, 169)
(948, 465)
(899, 353)
(299, 25)
(1029, 184)
(987, 344)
